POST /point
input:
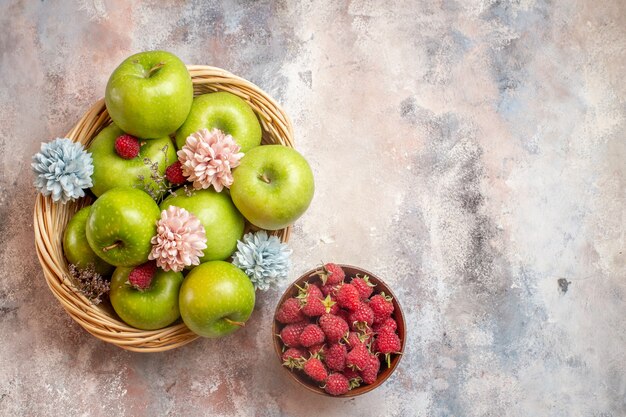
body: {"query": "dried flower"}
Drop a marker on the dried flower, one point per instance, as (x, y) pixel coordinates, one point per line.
(179, 241)
(62, 169)
(91, 284)
(265, 259)
(157, 186)
(208, 157)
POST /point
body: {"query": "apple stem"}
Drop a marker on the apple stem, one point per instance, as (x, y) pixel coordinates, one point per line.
(111, 246)
(234, 323)
(264, 178)
(155, 69)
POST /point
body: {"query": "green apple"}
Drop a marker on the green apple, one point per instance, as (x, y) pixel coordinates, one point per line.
(121, 224)
(226, 112)
(149, 94)
(149, 309)
(75, 246)
(111, 170)
(222, 221)
(216, 299)
(273, 186)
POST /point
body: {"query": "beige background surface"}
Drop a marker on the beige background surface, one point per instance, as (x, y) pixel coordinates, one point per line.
(472, 153)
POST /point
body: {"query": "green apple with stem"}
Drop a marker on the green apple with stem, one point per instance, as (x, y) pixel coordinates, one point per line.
(222, 222)
(152, 308)
(149, 94)
(273, 186)
(110, 170)
(224, 111)
(216, 299)
(77, 249)
(121, 224)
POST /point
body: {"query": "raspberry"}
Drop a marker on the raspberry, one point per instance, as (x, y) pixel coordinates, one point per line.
(317, 350)
(358, 338)
(351, 374)
(362, 316)
(332, 274)
(315, 369)
(358, 357)
(293, 358)
(290, 334)
(311, 300)
(382, 307)
(387, 324)
(337, 384)
(364, 286)
(334, 327)
(370, 373)
(348, 297)
(127, 146)
(387, 341)
(311, 335)
(330, 289)
(174, 173)
(344, 314)
(335, 357)
(141, 276)
(290, 312)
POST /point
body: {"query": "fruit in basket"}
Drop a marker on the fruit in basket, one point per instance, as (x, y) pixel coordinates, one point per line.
(75, 246)
(114, 170)
(151, 305)
(149, 94)
(121, 224)
(273, 186)
(222, 222)
(224, 111)
(216, 299)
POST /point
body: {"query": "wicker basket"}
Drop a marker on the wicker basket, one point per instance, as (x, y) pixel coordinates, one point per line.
(50, 218)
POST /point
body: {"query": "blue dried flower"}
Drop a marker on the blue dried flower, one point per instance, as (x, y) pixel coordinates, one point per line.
(265, 259)
(62, 169)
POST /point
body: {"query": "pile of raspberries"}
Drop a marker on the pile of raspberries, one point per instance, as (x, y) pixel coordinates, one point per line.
(337, 330)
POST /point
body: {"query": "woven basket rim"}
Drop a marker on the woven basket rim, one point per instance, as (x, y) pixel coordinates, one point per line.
(49, 218)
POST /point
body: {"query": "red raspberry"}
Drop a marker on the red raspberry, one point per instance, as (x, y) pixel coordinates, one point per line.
(141, 276)
(330, 289)
(370, 373)
(311, 300)
(382, 307)
(348, 297)
(344, 314)
(311, 335)
(127, 146)
(358, 338)
(386, 342)
(315, 369)
(337, 384)
(358, 357)
(317, 350)
(290, 312)
(174, 173)
(362, 316)
(290, 334)
(364, 286)
(351, 374)
(335, 357)
(387, 324)
(332, 274)
(294, 358)
(334, 327)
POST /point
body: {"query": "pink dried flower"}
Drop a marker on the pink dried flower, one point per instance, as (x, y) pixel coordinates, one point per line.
(179, 241)
(208, 157)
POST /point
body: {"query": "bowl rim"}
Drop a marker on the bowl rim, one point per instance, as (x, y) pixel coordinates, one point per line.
(300, 380)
